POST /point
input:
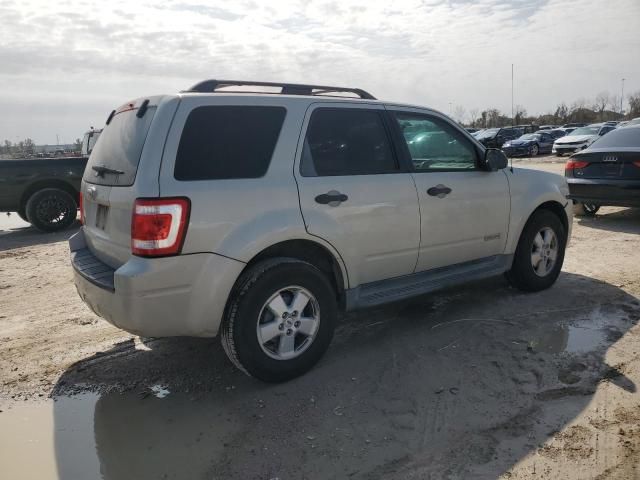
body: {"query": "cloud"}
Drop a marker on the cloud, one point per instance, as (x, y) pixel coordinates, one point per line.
(425, 52)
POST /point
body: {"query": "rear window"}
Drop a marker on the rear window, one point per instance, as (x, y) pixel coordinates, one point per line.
(619, 138)
(224, 142)
(115, 156)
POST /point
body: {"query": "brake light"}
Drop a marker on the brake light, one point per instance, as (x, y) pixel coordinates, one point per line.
(80, 207)
(573, 164)
(159, 226)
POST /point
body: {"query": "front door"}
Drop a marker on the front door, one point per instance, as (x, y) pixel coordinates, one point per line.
(464, 210)
(353, 192)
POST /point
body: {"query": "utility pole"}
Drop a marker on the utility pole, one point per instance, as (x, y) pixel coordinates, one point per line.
(57, 139)
(621, 96)
(450, 110)
(512, 122)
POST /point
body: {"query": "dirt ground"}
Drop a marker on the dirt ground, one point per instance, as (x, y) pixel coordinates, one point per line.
(480, 381)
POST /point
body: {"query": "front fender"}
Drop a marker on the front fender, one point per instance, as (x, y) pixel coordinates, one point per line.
(529, 190)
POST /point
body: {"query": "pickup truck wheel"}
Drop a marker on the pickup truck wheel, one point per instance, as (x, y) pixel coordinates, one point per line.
(539, 254)
(280, 319)
(51, 209)
(585, 209)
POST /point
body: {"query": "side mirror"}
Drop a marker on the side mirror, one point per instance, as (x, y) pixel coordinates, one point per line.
(495, 159)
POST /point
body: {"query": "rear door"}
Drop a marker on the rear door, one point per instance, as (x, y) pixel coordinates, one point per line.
(354, 192)
(464, 210)
(123, 165)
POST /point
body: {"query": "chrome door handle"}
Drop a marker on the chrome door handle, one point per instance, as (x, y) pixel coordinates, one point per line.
(439, 191)
(332, 198)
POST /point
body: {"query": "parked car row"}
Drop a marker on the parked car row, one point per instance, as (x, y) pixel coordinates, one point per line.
(518, 141)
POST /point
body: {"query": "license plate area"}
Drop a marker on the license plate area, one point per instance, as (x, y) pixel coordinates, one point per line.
(102, 212)
(612, 169)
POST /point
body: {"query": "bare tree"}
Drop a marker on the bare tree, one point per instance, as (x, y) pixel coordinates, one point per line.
(28, 145)
(562, 113)
(492, 117)
(634, 104)
(519, 113)
(474, 115)
(614, 103)
(600, 104)
(459, 113)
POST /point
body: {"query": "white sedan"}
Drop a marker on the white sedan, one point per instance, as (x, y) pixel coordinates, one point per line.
(580, 138)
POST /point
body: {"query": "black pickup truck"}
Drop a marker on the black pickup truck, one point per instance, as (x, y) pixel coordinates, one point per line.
(45, 191)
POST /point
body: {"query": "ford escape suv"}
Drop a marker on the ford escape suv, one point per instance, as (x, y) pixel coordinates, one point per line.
(260, 216)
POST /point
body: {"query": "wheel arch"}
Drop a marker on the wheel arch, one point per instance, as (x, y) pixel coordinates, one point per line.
(308, 251)
(49, 183)
(554, 207)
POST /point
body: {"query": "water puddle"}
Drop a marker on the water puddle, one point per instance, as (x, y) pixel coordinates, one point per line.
(584, 335)
(112, 436)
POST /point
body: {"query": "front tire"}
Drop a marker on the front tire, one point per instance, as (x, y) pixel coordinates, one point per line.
(585, 209)
(539, 254)
(280, 319)
(51, 210)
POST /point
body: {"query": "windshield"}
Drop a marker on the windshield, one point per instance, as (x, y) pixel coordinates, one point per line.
(488, 133)
(529, 136)
(619, 138)
(585, 131)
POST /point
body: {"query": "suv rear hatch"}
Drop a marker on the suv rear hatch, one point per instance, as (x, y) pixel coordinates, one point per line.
(115, 176)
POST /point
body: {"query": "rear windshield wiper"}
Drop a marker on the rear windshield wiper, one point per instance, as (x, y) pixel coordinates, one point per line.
(101, 170)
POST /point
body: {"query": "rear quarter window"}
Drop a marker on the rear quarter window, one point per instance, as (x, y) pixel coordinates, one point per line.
(225, 142)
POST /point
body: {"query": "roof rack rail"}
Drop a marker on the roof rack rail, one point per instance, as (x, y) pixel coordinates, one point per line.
(209, 86)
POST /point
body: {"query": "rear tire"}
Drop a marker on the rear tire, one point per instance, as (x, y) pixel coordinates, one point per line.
(274, 345)
(585, 209)
(534, 150)
(51, 210)
(540, 253)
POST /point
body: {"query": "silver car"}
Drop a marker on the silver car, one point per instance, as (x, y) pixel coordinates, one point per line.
(260, 216)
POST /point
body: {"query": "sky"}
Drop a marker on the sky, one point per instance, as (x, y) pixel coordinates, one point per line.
(65, 65)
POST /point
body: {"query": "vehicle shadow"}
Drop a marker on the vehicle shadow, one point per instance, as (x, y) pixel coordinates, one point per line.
(624, 220)
(460, 384)
(29, 236)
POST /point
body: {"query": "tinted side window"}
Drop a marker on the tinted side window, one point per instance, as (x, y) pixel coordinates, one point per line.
(346, 142)
(222, 142)
(434, 145)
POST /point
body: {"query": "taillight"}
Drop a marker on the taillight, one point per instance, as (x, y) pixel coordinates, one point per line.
(159, 226)
(637, 163)
(573, 164)
(80, 206)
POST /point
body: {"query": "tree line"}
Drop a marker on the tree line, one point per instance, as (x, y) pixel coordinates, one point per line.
(27, 147)
(602, 108)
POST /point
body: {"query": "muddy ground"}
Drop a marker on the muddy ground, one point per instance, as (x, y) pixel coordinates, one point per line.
(475, 382)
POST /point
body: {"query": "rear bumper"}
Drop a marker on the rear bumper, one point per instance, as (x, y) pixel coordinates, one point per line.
(183, 295)
(613, 192)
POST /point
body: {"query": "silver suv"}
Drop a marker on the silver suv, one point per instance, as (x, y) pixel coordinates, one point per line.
(262, 215)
